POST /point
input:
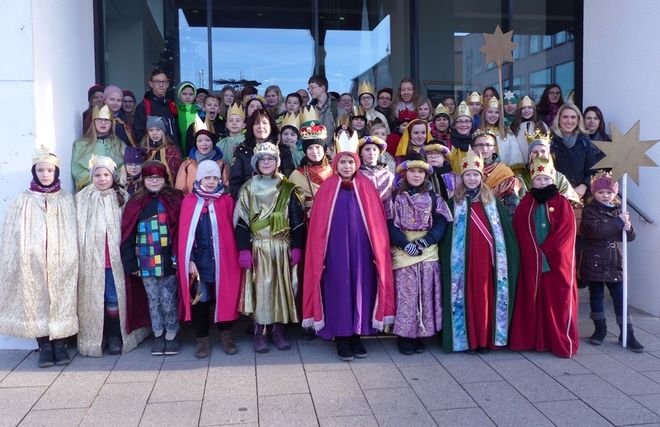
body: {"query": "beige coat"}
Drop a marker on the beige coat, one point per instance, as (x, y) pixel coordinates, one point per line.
(99, 217)
(39, 259)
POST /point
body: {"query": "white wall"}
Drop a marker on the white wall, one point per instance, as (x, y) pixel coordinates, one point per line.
(47, 67)
(621, 69)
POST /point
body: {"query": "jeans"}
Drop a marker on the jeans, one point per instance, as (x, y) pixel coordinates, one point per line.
(162, 293)
(597, 292)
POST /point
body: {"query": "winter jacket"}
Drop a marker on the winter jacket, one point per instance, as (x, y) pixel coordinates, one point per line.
(241, 169)
(601, 228)
(575, 162)
(159, 107)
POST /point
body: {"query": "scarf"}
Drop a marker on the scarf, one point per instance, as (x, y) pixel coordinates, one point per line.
(544, 194)
(52, 188)
(569, 141)
(215, 154)
(208, 196)
(471, 193)
(461, 142)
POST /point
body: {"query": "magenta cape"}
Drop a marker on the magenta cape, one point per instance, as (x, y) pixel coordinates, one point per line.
(373, 215)
(227, 271)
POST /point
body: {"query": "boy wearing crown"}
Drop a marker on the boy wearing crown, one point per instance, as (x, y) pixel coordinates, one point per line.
(367, 99)
(235, 126)
(270, 235)
(39, 258)
(348, 287)
(479, 258)
(545, 313)
(290, 136)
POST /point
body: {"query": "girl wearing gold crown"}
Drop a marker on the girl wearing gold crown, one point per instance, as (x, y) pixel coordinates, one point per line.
(290, 136)
(39, 258)
(546, 308)
(204, 149)
(526, 121)
(158, 146)
(440, 129)
(509, 150)
(236, 134)
(461, 136)
(348, 288)
(270, 234)
(100, 140)
(416, 220)
(479, 257)
(101, 287)
(212, 113)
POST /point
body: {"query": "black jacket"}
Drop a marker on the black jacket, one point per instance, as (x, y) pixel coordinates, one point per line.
(601, 227)
(160, 107)
(241, 169)
(575, 162)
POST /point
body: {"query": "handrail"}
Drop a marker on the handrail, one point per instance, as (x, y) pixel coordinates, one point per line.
(640, 212)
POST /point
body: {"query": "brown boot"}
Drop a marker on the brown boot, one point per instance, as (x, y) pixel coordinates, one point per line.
(227, 342)
(202, 349)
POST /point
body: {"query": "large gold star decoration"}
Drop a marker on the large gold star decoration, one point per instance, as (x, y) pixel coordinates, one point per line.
(498, 47)
(626, 153)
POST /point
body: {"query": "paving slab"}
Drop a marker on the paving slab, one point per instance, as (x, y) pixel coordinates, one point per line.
(651, 401)
(287, 410)
(556, 366)
(53, 418)
(402, 360)
(178, 382)
(319, 355)
(351, 420)
(530, 381)
(377, 374)
(28, 374)
(281, 375)
(504, 405)
(436, 388)
(337, 393)
(469, 368)
(73, 389)
(607, 400)
(398, 407)
(463, 417)
(136, 366)
(119, 404)
(571, 413)
(10, 359)
(618, 374)
(171, 414)
(230, 397)
(15, 403)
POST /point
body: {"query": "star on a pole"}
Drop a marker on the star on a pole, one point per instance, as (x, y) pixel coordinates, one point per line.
(626, 153)
(498, 47)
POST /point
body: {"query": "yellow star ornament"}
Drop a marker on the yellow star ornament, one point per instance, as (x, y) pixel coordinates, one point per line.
(498, 47)
(625, 154)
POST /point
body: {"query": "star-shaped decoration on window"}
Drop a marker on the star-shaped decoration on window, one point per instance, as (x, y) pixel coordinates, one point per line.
(498, 47)
(626, 153)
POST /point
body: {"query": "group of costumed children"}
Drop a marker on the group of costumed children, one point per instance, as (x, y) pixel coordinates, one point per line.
(343, 246)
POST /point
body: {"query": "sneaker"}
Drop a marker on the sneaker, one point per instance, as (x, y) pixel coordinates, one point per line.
(202, 349)
(344, 350)
(114, 345)
(158, 348)
(418, 345)
(405, 346)
(171, 347)
(227, 342)
(357, 346)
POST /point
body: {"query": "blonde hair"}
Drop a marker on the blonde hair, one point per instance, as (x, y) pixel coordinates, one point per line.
(485, 195)
(580, 129)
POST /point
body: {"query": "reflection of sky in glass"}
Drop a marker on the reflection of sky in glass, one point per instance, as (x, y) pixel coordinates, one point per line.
(284, 57)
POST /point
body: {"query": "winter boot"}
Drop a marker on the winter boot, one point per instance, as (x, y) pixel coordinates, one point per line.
(357, 346)
(632, 343)
(60, 355)
(227, 342)
(260, 339)
(279, 338)
(113, 331)
(202, 348)
(46, 356)
(600, 328)
(344, 350)
(406, 345)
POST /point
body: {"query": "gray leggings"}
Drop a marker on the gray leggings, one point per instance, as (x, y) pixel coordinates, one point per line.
(163, 305)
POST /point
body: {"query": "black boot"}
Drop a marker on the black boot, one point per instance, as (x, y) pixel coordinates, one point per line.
(344, 350)
(46, 357)
(113, 331)
(60, 354)
(600, 328)
(406, 345)
(632, 342)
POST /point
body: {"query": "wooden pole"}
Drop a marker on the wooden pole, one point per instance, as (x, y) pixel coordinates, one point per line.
(501, 122)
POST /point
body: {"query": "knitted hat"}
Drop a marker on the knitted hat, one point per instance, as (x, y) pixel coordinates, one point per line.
(510, 97)
(537, 138)
(202, 90)
(155, 122)
(97, 162)
(602, 180)
(207, 168)
(134, 155)
(92, 90)
(127, 92)
(262, 150)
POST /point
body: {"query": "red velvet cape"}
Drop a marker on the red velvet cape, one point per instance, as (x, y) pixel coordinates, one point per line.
(546, 307)
(317, 242)
(137, 306)
(226, 261)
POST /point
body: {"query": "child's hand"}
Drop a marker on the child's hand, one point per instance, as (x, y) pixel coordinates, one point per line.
(192, 269)
(625, 217)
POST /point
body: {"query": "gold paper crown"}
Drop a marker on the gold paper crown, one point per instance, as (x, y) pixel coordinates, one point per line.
(248, 98)
(291, 119)
(343, 120)
(365, 87)
(43, 155)
(484, 132)
(236, 110)
(542, 166)
(493, 103)
(539, 135)
(600, 174)
(441, 109)
(346, 143)
(266, 148)
(472, 162)
(474, 97)
(526, 102)
(309, 113)
(358, 111)
(101, 113)
(463, 110)
(200, 125)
